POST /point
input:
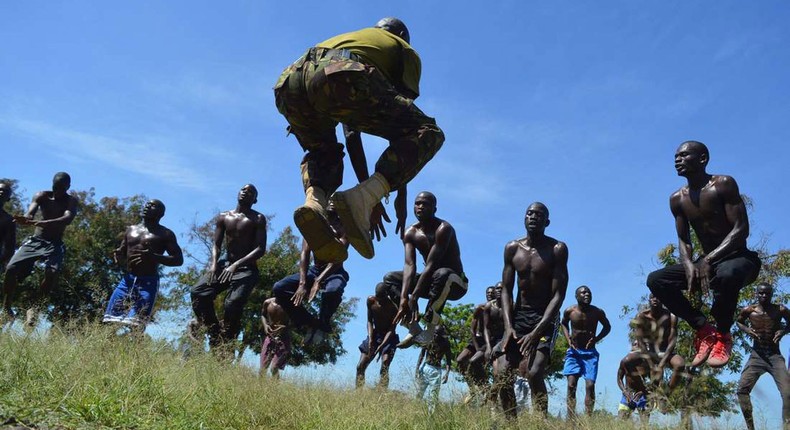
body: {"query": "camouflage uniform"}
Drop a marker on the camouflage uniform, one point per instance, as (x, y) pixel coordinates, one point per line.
(327, 86)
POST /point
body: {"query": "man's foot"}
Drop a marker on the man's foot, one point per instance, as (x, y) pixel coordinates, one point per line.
(315, 230)
(720, 353)
(354, 206)
(409, 339)
(703, 344)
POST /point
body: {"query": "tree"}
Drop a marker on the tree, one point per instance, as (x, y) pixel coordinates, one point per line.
(281, 259)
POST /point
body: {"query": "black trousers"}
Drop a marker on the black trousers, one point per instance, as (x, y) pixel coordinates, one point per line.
(730, 275)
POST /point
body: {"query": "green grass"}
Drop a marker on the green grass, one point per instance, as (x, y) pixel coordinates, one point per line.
(94, 379)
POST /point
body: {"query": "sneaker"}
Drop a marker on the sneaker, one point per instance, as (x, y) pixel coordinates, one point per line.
(720, 353)
(408, 340)
(425, 337)
(703, 344)
(354, 207)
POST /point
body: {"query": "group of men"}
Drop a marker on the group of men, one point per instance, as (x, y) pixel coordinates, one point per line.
(368, 80)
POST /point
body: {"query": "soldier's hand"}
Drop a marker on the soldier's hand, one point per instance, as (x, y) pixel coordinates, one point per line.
(377, 217)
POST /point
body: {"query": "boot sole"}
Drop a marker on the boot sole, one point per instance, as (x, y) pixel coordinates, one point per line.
(316, 231)
(360, 240)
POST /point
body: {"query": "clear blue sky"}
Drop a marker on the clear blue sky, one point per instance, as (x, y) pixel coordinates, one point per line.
(580, 105)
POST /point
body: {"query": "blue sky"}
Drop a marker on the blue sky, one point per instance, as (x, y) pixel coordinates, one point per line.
(580, 105)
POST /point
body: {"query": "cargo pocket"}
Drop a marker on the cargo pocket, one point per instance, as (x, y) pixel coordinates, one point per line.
(348, 82)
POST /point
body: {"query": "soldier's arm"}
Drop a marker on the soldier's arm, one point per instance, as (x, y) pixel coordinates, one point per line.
(444, 235)
(735, 211)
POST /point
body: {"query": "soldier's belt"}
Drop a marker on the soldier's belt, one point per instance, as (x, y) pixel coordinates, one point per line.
(315, 54)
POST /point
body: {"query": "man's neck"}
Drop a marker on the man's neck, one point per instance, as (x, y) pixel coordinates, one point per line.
(243, 208)
(534, 238)
(699, 180)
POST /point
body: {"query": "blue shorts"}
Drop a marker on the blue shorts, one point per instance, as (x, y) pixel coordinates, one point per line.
(133, 300)
(640, 403)
(581, 362)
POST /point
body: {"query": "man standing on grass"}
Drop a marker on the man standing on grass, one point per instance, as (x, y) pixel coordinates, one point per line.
(541, 264)
(58, 210)
(429, 372)
(631, 379)
(713, 207)
(144, 247)
(276, 347)
(382, 340)
(243, 231)
(579, 324)
(763, 322)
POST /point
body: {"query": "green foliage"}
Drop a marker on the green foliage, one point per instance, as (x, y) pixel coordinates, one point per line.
(281, 259)
(457, 320)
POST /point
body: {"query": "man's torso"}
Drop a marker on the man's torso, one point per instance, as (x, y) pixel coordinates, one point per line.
(240, 233)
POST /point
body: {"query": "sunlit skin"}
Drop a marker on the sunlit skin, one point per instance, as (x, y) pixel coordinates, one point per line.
(275, 322)
(656, 328)
(147, 245)
(381, 310)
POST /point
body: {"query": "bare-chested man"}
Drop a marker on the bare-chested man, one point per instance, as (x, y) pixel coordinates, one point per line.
(470, 360)
(276, 346)
(244, 232)
(713, 207)
(656, 330)
(442, 278)
(631, 380)
(58, 209)
(144, 247)
(541, 263)
(429, 372)
(382, 340)
(7, 227)
(763, 322)
(327, 277)
(579, 324)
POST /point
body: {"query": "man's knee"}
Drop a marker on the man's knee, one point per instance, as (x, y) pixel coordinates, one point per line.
(654, 281)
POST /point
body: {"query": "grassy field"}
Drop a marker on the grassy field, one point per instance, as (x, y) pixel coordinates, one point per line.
(95, 379)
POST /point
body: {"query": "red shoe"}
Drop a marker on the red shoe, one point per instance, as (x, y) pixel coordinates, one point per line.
(720, 354)
(703, 343)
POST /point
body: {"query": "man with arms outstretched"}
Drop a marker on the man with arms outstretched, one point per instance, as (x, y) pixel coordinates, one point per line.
(713, 207)
(58, 209)
(368, 80)
(301, 288)
(7, 227)
(541, 264)
(382, 340)
(763, 322)
(656, 329)
(143, 248)
(243, 230)
(579, 324)
(442, 278)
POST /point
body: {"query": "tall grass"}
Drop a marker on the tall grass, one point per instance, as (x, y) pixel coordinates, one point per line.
(94, 379)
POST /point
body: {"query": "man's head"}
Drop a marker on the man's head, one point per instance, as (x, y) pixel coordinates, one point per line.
(691, 157)
(498, 290)
(425, 206)
(583, 295)
(654, 302)
(764, 294)
(5, 192)
(394, 26)
(382, 292)
(153, 210)
(490, 293)
(536, 218)
(248, 195)
(61, 183)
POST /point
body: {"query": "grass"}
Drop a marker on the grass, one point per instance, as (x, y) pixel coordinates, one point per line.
(94, 379)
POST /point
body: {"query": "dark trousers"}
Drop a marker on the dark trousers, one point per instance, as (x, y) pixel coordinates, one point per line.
(730, 276)
(445, 285)
(759, 364)
(206, 290)
(331, 297)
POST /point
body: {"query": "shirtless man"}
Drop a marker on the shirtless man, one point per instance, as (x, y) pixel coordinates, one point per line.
(276, 347)
(763, 322)
(429, 373)
(579, 324)
(382, 340)
(442, 278)
(541, 263)
(244, 232)
(713, 207)
(142, 250)
(656, 330)
(469, 361)
(7, 227)
(330, 278)
(58, 209)
(631, 380)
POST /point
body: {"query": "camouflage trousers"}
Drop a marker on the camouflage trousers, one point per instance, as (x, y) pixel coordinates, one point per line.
(326, 87)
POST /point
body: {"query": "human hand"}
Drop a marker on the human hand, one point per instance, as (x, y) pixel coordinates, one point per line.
(414, 310)
(298, 296)
(139, 255)
(314, 290)
(704, 274)
(227, 273)
(400, 213)
(403, 309)
(591, 343)
(116, 255)
(23, 220)
(377, 217)
(778, 336)
(528, 343)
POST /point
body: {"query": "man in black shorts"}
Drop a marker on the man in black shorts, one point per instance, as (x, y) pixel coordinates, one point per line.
(58, 209)
(541, 263)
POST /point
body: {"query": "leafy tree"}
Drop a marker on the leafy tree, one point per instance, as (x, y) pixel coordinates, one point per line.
(281, 259)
